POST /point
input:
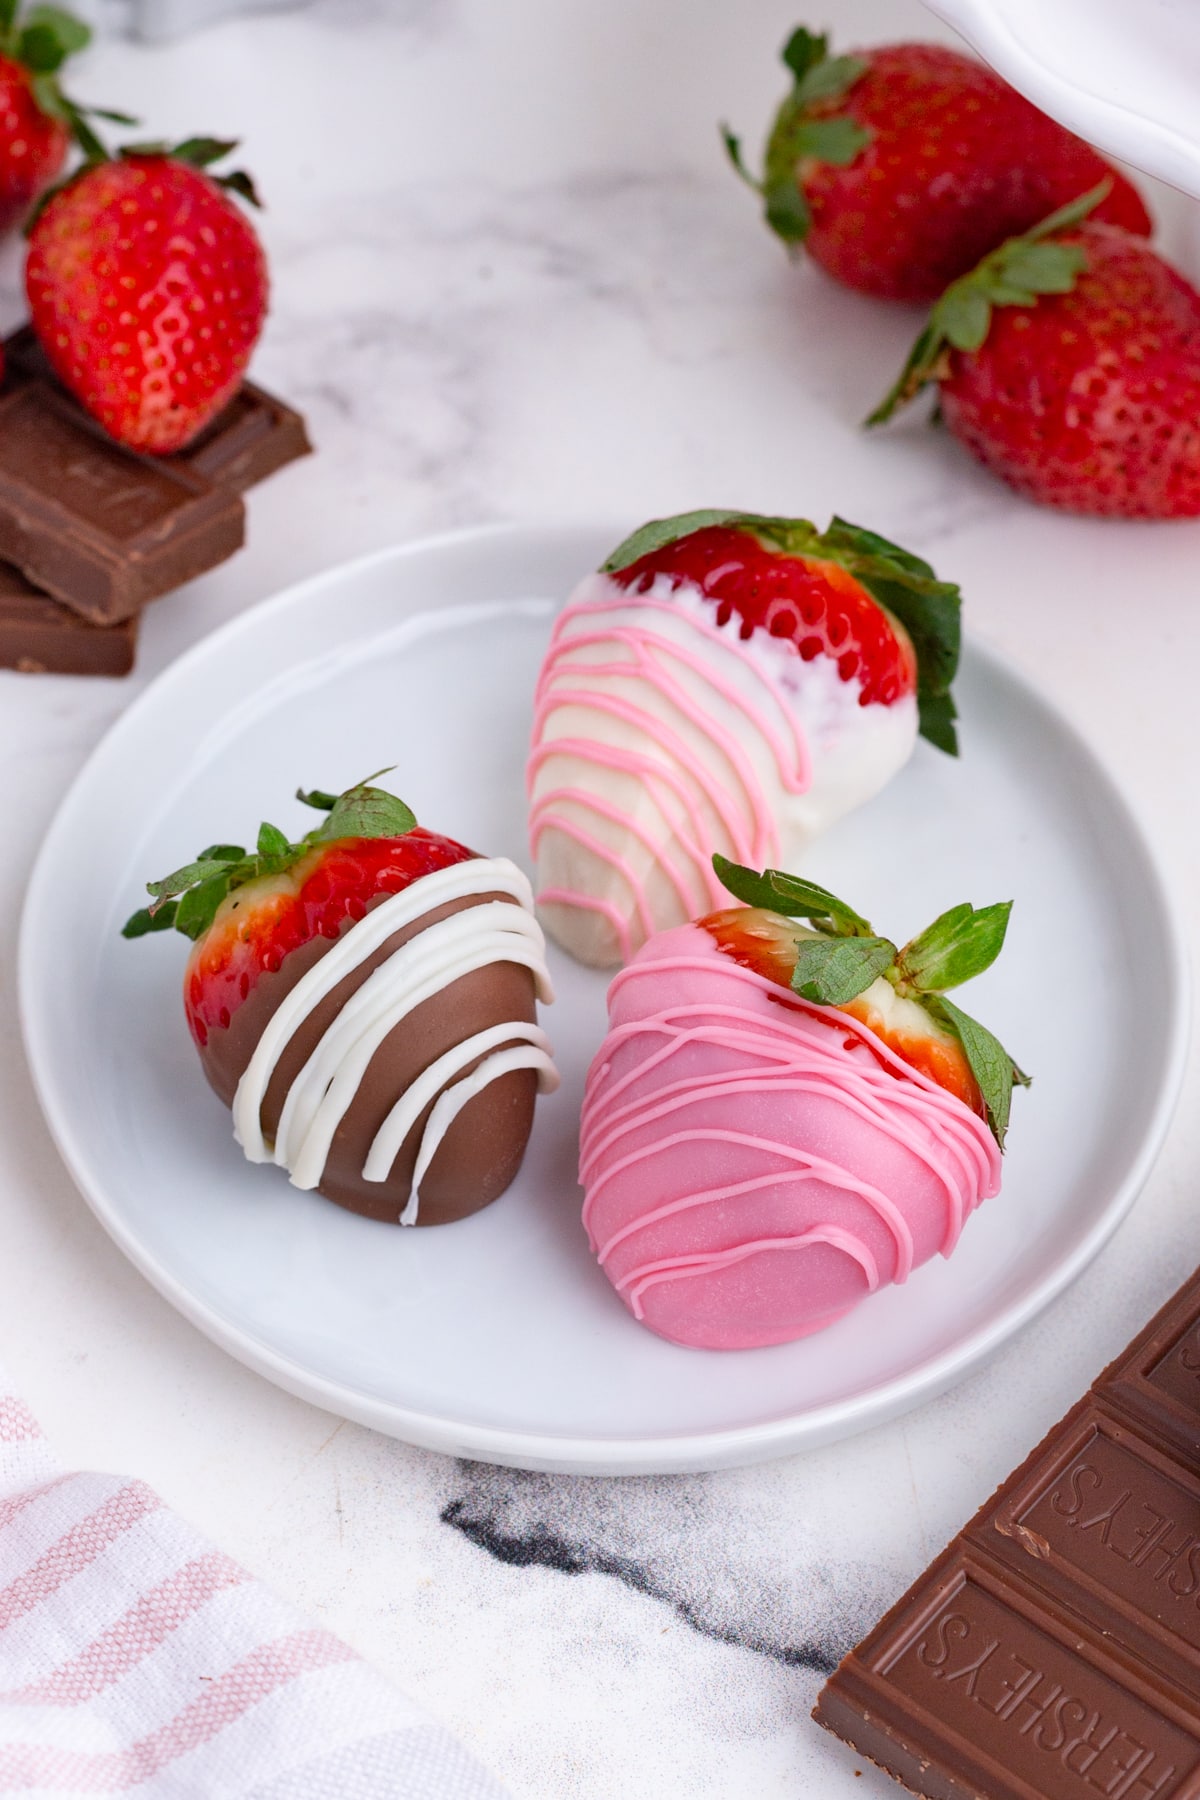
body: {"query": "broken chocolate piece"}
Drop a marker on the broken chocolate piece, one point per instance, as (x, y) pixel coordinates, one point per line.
(1053, 1649)
(251, 438)
(24, 357)
(98, 527)
(40, 636)
(248, 440)
(102, 529)
(1157, 1380)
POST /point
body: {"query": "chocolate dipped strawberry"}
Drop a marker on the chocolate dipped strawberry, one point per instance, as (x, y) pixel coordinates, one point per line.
(786, 1116)
(724, 679)
(364, 1000)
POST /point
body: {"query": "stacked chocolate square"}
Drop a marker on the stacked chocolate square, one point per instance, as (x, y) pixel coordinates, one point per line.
(90, 532)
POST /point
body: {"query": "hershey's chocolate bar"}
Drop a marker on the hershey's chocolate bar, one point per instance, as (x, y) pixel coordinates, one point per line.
(40, 636)
(1053, 1650)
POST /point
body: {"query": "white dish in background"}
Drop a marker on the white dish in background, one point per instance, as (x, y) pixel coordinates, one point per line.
(1123, 76)
(499, 1338)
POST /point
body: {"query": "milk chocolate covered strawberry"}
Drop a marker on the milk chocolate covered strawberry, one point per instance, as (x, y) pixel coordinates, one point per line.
(724, 680)
(364, 1000)
(785, 1116)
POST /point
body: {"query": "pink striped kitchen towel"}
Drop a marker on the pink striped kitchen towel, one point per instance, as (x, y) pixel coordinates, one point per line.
(136, 1659)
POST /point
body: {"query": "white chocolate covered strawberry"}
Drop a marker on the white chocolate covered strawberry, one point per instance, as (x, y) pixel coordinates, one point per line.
(785, 1117)
(726, 681)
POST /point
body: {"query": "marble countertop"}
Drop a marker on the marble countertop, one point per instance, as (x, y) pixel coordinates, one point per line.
(514, 279)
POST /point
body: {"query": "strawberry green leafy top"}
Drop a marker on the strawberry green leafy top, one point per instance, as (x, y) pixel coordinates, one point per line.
(198, 153)
(41, 39)
(847, 956)
(188, 898)
(1013, 274)
(797, 136)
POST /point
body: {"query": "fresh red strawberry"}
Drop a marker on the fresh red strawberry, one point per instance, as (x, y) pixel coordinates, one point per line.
(837, 960)
(1069, 363)
(900, 166)
(847, 593)
(36, 118)
(246, 912)
(33, 144)
(148, 289)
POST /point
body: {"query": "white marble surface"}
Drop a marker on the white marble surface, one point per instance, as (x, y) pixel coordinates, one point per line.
(514, 279)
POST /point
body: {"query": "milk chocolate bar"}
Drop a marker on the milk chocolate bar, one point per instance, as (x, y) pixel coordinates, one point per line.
(40, 636)
(1052, 1652)
(94, 525)
(252, 437)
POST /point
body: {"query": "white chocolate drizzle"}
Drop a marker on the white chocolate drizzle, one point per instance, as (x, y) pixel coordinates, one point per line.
(661, 734)
(322, 1092)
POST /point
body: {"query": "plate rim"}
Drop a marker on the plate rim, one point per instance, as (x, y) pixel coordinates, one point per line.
(1149, 145)
(616, 1455)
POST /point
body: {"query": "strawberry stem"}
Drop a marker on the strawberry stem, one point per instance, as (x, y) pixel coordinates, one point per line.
(797, 136)
(733, 149)
(198, 152)
(1015, 273)
(317, 797)
(41, 40)
(201, 153)
(846, 957)
(188, 899)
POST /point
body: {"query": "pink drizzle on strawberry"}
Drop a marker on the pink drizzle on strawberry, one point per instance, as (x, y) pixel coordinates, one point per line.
(753, 1164)
(649, 665)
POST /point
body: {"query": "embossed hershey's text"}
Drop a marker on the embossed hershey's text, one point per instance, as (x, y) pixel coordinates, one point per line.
(1027, 1703)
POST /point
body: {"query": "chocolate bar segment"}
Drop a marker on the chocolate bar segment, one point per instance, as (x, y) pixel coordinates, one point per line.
(94, 525)
(40, 636)
(1117, 1527)
(1053, 1650)
(1157, 1380)
(251, 438)
(972, 1690)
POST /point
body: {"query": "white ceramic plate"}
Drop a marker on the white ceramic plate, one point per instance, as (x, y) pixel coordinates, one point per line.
(498, 1337)
(1121, 73)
